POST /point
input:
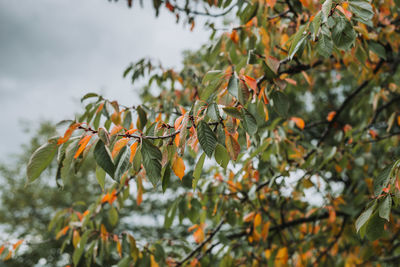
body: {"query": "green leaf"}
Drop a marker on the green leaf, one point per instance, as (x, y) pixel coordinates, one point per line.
(343, 34)
(141, 123)
(326, 8)
(212, 75)
(316, 24)
(103, 158)
(166, 176)
(233, 86)
(384, 208)
(280, 102)
(207, 138)
(325, 45)
(209, 89)
(364, 217)
(234, 112)
(151, 161)
(375, 228)
(382, 180)
(378, 49)
(89, 95)
(213, 112)
(40, 160)
(362, 9)
(198, 169)
(249, 122)
(124, 262)
(100, 176)
(79, 249)
(298, 42)
(113, 216)
(221, 156)
(69, 158)
(123, 164)
(170, 214)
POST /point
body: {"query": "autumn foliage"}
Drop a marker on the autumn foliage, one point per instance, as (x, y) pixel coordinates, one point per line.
(285, 126)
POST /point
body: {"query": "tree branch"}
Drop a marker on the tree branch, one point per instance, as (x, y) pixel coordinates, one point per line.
(201, 245)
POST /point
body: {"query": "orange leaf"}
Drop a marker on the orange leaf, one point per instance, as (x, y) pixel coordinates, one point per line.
(179, 167)
(347, 128)
(249, 217)
(198, 235)
(113, 196)
(308, 79)
(398, 120)
(119, 145)
(271, 3)
(103, 232)
(8, 256)
(234, 36)
(2, 249)
(62, 232)
(291, 81)
(131, 131)
(16, 245)
(331, 115)
(100, 108)
(133, 151)
(373, 134)
(191, 228)
(232, 146)
(265, 230)
(119, 248)
(178, 122)
(83, 143)
(68, 133)
(299, 122)
(251, 82)
(116, 129)
(105, 198)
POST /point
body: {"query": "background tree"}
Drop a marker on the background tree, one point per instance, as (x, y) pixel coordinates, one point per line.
(285, 126)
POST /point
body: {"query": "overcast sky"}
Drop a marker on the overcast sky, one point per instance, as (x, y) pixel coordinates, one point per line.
(52, 52)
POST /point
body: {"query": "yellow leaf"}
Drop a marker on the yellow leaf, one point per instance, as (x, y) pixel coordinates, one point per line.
(179, 167)
(257, 220)
(153, 262)
(76, 238)
(119, 145)
(119, 248)
(281, 257)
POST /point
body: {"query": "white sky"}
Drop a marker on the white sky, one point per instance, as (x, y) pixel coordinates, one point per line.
(52, 52)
